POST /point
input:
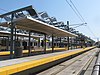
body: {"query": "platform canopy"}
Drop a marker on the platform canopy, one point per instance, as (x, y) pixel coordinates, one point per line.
(30, 23)
(6, 33)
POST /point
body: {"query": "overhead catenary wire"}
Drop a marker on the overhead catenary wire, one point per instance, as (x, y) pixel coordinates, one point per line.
(3, 9)
(74, 10)
(82, 17)
(91, 31)
(78, 11)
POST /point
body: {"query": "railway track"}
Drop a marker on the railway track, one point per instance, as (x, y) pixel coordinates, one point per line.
(75, 66)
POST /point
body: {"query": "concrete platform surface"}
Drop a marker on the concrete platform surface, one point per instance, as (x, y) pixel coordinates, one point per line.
(30, 58)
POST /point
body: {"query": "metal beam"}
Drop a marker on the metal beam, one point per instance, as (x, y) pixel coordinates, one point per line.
(15, 11)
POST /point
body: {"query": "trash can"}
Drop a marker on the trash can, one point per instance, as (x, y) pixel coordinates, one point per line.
(18, 52)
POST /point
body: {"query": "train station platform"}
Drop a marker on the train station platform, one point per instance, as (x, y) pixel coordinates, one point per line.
(27, 65)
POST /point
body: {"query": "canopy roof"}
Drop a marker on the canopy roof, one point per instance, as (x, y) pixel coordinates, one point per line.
(29, 23)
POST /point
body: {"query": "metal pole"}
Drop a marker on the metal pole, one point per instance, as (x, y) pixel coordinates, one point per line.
(81, 42)
(7, 43)
(76, 42)
(56, 42)
(15, 40)
(44, 43)
(68, 37)
(52, 43)
(38, 42)
(84, 42)
(60, 42)
(29, 44)
(11, 36)
(71, 42)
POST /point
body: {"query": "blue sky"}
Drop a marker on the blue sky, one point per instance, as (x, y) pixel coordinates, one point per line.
(89, 9)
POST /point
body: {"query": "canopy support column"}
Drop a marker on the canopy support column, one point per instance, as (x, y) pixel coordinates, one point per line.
(11, 36)
(68, 43)
(76, 43)
(44, 43)
(29, 44)
(52, 43)
(15, 41)
(68, 37)
(60, 42)
(39, 42)
(7, 43)
(71, 43)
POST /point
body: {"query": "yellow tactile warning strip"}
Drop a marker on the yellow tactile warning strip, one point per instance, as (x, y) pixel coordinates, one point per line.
(27, 65)
(26, 51)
